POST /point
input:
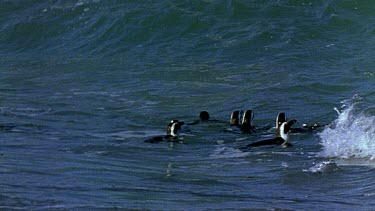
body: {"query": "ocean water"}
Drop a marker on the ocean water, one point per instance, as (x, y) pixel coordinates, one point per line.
(84, 82)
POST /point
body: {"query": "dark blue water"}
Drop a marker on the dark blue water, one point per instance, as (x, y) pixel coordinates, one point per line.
(83, 83)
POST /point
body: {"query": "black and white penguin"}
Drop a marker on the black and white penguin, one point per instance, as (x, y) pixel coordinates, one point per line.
(246, 125)
(247, 122)
(172, 132)
(281, 117)
(234, 119)
(282, 136)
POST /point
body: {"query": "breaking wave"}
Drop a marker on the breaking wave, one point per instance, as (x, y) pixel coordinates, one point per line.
(351, 135)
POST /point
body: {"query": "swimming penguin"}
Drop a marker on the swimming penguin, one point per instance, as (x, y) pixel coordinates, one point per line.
(305, 128)
(247, 119)
(204, 116)
(281, 117)
(246, 125)
(282, 137)
(172, 131)
(234, 118)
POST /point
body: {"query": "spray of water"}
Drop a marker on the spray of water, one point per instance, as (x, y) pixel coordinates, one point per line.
(351, 135)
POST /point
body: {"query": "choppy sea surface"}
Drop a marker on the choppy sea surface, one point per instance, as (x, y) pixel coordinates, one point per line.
(84, 83)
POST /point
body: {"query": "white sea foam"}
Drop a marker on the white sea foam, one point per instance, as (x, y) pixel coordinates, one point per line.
(351, 135)
(323, 167)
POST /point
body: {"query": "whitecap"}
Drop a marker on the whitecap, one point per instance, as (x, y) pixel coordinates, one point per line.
(323, 167)
(351, 135)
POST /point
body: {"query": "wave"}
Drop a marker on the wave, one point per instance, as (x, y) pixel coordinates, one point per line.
(90, 27)
(351, 135)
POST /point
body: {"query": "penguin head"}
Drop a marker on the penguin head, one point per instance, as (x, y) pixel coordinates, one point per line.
(234, 118)
(173, 127)
(247, 121)
(280, 119)
(248, 117)
(285, 128)
(204, 116)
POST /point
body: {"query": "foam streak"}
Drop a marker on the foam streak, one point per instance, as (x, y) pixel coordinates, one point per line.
(352, 135)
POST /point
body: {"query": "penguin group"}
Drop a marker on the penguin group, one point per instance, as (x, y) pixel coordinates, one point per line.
(243, 122)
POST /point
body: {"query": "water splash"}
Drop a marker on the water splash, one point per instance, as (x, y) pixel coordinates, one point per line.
(323, 167)
(351, 135)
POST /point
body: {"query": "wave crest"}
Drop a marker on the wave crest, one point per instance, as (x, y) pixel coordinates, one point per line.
(351, 135)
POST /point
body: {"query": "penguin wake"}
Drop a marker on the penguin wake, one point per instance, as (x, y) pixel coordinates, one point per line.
(351, 135)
